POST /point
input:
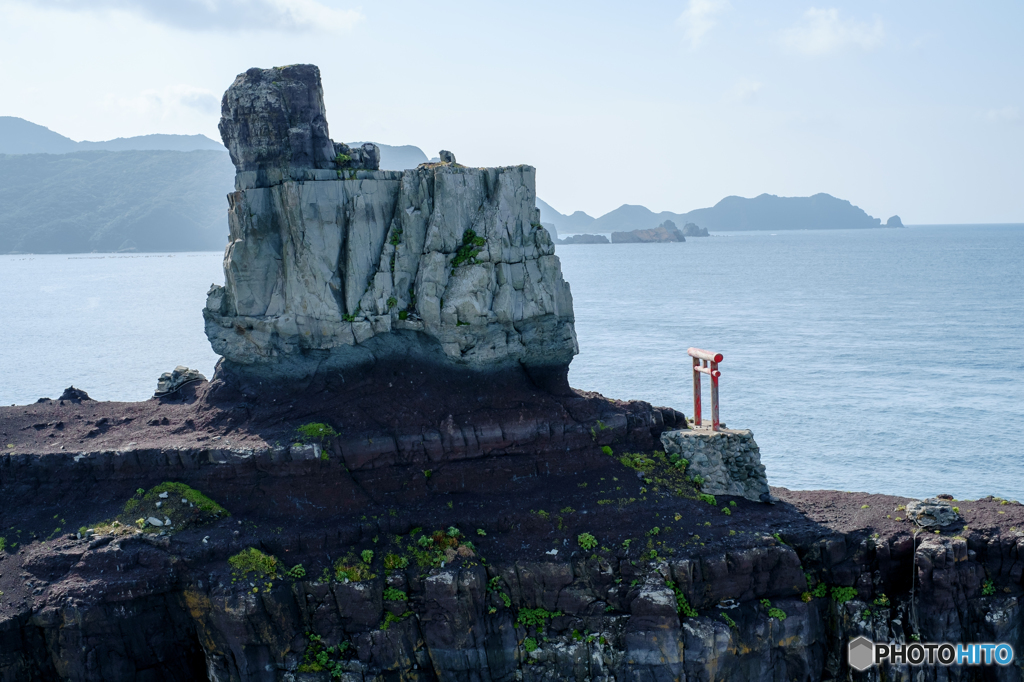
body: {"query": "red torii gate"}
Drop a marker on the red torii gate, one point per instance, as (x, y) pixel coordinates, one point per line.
(710, 367)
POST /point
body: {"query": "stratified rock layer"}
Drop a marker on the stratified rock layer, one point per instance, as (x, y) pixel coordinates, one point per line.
(330, 267)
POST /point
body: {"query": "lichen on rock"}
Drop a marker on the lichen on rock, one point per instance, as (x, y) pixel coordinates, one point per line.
(330, 266)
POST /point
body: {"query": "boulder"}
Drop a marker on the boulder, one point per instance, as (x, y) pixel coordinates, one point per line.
(446, 156)
(932, 513)
(74, 394)
(328, 270)
(274, 120)
(894, 221)
(169, 382)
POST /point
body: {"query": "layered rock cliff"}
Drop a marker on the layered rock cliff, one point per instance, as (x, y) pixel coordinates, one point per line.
(333, 264)
(569, 549)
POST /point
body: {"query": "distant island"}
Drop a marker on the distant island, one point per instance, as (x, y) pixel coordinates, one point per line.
(167, 193)
(764, 212)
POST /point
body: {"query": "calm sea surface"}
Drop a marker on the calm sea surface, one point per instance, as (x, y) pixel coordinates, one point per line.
(878, 360)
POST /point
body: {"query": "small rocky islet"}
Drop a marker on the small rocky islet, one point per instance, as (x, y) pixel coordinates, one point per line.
(389, 478)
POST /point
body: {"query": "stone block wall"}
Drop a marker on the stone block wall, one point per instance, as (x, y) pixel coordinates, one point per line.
(729, 460)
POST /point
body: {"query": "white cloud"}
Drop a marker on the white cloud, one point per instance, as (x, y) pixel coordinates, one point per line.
(170, 102)
(699, 18)
(822, 31)
(746, 90)
(1004, 115)
(222, 15)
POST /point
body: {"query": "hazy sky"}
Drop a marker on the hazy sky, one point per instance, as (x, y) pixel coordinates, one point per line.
(915, 108)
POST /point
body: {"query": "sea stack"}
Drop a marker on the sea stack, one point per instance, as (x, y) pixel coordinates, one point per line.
(333, 265)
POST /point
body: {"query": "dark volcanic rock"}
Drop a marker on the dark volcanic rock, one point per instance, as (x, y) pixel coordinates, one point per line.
(517, 478)
(74, 394)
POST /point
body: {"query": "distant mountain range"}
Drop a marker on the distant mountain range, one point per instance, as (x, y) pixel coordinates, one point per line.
(146, 193)
(167, 193)
(764, 212)
(18, 136)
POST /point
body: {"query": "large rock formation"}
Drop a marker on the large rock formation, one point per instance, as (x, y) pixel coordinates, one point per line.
(333, 264)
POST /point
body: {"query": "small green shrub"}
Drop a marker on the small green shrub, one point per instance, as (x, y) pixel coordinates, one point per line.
(367, 555)
(698, 481)
(390, 618)
(320, 658)
(777, 613)
(882, 600)
(342, 159)
(530, 644)
(252, 560)
(394, 561)
(535, 617)
(710, 499)
(403, 315)
(638, 461)
(732, 503)
(988, 588)
(727, 620)
(766, 603)
(586, 541)
(348, 569)
(841, 595)
(427, 473)
(820, 591)
(471, 246)
(726, 511)
(392, 302)
(682, 605)
(296, 572)
(3, 544)
(391, 594)
(317, 431)
(481, 532)
(606, 449)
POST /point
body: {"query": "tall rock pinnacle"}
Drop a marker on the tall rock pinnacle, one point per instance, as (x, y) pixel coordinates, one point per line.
(332, 264)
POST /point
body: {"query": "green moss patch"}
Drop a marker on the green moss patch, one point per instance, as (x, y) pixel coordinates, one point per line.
(183, 506)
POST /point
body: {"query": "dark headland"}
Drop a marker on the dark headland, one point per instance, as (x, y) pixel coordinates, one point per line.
(389, 477)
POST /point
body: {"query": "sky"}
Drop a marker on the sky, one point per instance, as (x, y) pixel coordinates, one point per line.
(902, 107)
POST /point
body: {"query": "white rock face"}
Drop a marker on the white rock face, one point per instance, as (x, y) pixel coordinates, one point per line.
(329, 268)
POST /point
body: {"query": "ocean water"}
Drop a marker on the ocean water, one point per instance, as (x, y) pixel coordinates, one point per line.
(886, 361)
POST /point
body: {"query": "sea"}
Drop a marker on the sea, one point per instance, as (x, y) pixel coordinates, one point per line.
(886, 360)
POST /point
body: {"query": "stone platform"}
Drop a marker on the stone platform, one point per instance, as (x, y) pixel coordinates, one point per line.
(728, 460)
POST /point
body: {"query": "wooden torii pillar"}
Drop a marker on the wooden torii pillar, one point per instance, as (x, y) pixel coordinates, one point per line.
(710, 367)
